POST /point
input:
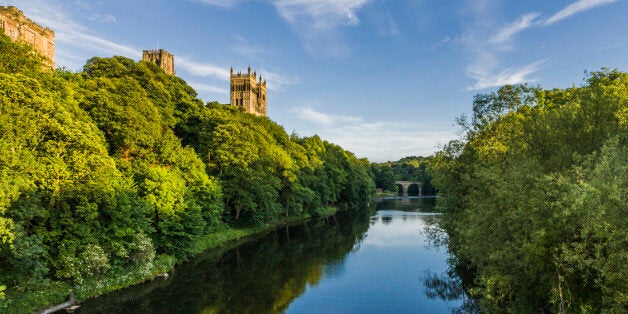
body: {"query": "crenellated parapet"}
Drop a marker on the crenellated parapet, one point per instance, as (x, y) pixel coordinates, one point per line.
(160, 57)
(18, 27)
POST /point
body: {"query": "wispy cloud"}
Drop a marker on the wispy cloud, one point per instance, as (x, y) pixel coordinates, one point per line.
(247, 49)
(220, 3)
(70, 32)
(204, 69)
(309, 114)
(378, 140)
(506, 32)
(451, 41)
(317, 22)
(82, 4)
(209, 88)
(486, 77)
(93, 43)
(485, 66)
(576, 7)
(385, 23)
(104, 18)
(277, 81)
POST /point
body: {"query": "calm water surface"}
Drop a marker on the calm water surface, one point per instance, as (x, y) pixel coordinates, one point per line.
(374, 263)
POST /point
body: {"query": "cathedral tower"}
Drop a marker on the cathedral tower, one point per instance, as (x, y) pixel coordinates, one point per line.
(160, 57)
(249, 92)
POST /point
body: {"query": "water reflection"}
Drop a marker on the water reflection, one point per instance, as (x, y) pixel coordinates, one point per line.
(370, 263)
(261, 276)
(448, 286)
(385, 274)
(409, 204)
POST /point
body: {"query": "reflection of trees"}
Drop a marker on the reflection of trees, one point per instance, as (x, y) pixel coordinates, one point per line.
(386, 220)
(261, 276)
(453, 284)
(448, 287)
(443, 287)
(374, 220)
(427, 204)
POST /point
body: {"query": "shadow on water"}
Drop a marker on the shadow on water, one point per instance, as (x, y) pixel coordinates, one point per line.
(260, 276)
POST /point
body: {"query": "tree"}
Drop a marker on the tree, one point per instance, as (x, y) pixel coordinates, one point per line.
(523, 196)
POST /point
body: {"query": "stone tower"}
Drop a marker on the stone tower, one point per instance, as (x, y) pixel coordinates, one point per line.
(14, 24)
(249, 92)
(160, 57)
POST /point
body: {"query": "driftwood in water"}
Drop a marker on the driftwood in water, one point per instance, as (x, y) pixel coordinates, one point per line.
(69, 303)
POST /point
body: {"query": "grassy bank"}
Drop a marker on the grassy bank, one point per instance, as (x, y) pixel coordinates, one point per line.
(31, 297)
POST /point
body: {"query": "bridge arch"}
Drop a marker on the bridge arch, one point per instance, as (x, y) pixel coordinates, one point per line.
(406, 184)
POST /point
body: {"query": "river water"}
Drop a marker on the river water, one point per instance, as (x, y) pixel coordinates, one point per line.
(377, 262)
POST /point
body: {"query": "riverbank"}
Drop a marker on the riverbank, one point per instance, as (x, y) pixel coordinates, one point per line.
(29, 298)
(332, 265)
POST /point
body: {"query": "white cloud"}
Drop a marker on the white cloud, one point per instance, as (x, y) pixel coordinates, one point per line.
(317, 23)
(377, 140)
(82, 4)
(486, 77)
(203, 68)
(449, 41)
(71, 33)
(314, 116)
(277, 81)
(104, 18)
(386, 24)
(209, 88)
(247, 49)
(220, 3)
(309, 114)
(506, 32)
(93, 43)
(576, 7)
(486, 54)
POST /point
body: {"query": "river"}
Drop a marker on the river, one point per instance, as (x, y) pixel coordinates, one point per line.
(377, 262)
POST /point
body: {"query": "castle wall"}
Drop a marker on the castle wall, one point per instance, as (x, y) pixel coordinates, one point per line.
(17, 26)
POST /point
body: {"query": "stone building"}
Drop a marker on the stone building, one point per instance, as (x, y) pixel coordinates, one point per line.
(14, 24)
(160, 57)
(248, 92)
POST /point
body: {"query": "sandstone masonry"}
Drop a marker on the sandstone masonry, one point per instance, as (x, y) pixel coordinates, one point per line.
(14, 24)
(160, 57)
(248, 92)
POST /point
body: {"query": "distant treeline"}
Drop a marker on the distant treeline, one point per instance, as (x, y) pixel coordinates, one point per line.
(536, 197)
(405, 169)
(106, 171)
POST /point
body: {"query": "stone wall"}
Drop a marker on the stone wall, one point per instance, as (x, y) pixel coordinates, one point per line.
(17, 26)
(160, 57)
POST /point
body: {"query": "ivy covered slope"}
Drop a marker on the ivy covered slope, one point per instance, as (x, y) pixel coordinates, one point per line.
(536, 198)
(120, 169)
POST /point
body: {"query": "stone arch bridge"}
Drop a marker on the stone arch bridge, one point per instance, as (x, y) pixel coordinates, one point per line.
(406, 184)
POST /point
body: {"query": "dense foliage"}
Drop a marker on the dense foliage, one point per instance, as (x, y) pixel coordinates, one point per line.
(536, 197)
(112, 169)
(405, 169)
(284, 263)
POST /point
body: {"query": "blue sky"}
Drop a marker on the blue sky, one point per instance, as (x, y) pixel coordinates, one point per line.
(384, 79)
